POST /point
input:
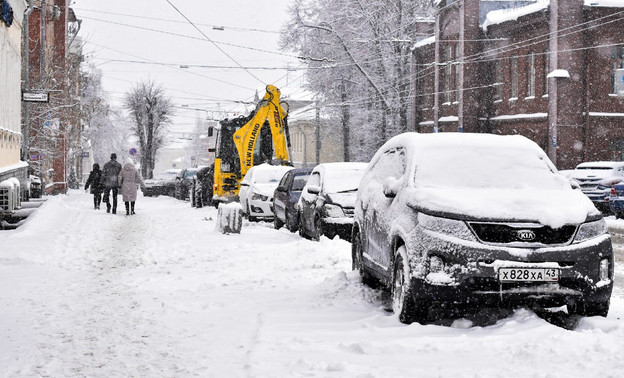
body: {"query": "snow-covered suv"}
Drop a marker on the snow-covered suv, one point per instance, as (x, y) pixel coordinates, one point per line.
(456, 221)
(596, 179)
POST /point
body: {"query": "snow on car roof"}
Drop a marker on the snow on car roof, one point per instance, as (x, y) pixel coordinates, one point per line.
(489, 176)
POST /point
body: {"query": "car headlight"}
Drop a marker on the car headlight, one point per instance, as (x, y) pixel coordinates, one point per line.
(446, 226)
(333, 211)
(591, 230)
(259, 197)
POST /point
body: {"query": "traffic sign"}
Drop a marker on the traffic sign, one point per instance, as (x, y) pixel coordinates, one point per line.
(133, 151)
(35, 97)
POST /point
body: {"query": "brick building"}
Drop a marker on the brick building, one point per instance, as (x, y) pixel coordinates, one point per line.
(546, 70)
(53, 128)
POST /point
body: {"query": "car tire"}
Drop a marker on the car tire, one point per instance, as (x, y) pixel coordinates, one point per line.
(357, 263)
(251, 218)
(587, 308)
(288, 222)
(301, 227)
(318, 231)
(403, 303)
(277, 223)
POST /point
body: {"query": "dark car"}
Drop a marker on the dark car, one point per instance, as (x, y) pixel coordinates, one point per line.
(163, 184)
(453, 222)
(616, 200)
(203, 187)
(36, 189)
(326, 203)
(286, 197)
(184, 183)
(596, 179)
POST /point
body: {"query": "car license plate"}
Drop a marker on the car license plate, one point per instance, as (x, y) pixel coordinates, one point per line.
(528, 274)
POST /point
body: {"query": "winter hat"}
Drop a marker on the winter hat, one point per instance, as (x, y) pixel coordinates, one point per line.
(96, 167)
(114, 156)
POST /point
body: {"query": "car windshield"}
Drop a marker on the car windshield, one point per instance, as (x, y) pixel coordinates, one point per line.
(299, 182)
(268, 175)
(342, 180)
(485, 167)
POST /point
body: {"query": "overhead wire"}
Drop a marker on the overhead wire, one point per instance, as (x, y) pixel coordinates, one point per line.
(211, 41)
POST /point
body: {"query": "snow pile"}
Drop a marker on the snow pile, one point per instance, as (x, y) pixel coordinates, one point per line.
(163, 294)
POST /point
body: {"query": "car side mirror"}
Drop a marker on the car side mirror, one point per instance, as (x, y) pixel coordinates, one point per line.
(281, 189)
(574, 184)
(210, 131)
(391, 187)
(212, 149)
(313, 189)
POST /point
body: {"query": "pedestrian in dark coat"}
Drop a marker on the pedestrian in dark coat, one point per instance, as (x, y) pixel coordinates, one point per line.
(110, 174)
(129, 178)
(95, 181)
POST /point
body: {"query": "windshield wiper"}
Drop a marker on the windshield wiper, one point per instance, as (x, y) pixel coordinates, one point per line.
(347, 191)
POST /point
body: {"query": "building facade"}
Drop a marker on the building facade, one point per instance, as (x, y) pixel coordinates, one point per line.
(11, 23)
(547, 70)
(53, 127)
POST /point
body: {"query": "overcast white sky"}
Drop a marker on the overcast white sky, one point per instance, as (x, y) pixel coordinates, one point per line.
(138, 40)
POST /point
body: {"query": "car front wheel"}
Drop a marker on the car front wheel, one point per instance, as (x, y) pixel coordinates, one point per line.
(403, 303)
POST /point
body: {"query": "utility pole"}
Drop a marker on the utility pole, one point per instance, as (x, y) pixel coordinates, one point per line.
(317, 133)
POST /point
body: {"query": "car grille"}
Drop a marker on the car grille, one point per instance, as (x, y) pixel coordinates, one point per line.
(348, 211)
(506, 233)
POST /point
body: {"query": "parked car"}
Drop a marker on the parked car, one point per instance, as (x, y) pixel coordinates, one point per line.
(286, 196)
(163, 184)
(35, 187)
(596, 179)
(616, 200)
(184, 183)
(451, 222)
(326, 203)
(256, 190)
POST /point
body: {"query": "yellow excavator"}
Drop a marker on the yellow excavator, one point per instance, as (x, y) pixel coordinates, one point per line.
(241, 143)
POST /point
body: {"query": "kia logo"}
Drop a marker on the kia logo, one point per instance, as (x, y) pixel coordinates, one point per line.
(525, 235)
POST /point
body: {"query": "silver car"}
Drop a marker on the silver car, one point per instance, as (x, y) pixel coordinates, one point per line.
(452, 222)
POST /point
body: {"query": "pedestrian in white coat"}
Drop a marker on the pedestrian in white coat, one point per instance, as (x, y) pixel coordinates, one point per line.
(129, 178)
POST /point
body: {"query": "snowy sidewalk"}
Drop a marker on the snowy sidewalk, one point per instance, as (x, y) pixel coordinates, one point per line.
(162, 294)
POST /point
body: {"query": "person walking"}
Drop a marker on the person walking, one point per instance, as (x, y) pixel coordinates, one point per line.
(110, 177)
(128, 179)
(95, 181)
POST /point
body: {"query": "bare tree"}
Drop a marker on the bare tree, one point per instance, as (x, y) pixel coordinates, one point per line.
(150, 111)
(358, 55)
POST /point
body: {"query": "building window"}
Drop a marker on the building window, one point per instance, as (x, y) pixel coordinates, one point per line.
(513, 67)
(448, 75)
(530, 75)
(498, 80)
(617, 62)
(546, 65)
(457, 73)
(617, 149)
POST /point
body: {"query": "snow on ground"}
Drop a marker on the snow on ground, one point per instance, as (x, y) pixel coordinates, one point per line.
(162, 294)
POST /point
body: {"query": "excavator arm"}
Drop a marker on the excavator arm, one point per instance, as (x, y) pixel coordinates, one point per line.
(268, 110)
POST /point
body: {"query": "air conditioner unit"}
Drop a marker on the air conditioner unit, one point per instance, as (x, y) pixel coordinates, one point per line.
(6, 197)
